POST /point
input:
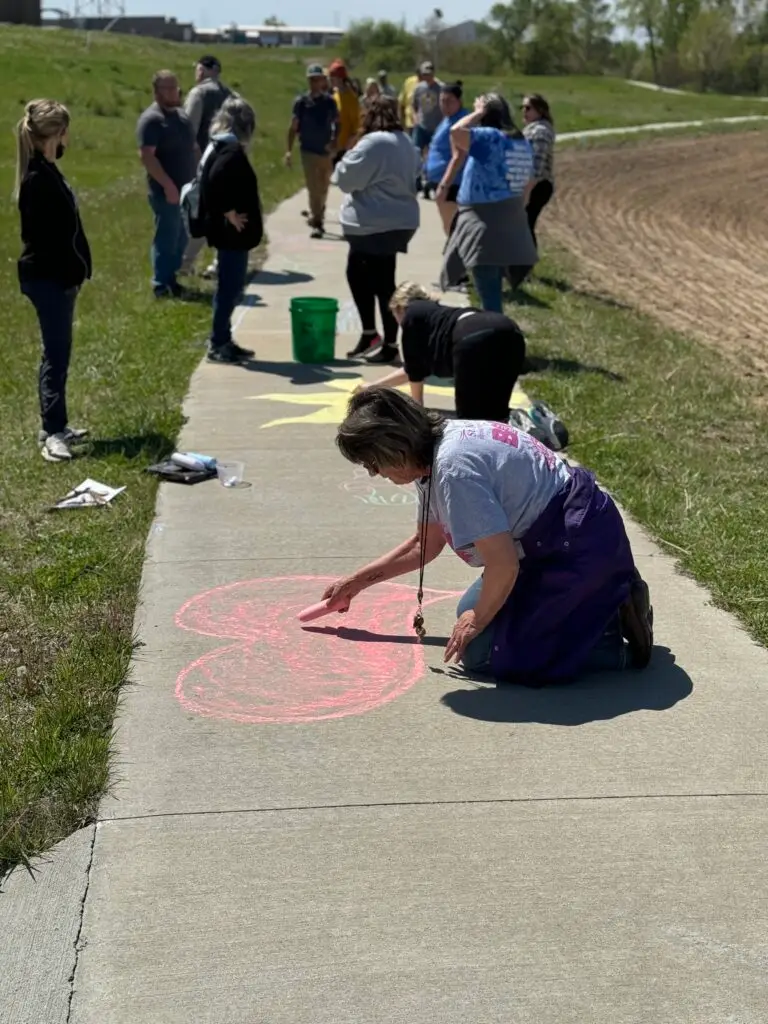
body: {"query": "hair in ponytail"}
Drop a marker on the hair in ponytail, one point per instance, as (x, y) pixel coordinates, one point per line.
(42, 120)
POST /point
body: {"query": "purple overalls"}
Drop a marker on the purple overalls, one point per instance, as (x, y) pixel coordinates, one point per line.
(576, 572)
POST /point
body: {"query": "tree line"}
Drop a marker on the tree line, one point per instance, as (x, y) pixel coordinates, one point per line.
(708, 45)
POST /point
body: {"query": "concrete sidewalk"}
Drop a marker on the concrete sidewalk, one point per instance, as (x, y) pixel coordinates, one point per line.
(326, 826)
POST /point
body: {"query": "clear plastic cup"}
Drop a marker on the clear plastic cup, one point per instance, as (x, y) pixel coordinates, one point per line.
(230, 474)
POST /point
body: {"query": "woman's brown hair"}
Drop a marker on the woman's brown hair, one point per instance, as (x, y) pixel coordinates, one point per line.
(541, 107)
(381, 116)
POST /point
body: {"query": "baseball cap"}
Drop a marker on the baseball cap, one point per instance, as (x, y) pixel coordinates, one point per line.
(427, 68)
(211, 63)
(382, 72)
(338, 68)
(315, 71)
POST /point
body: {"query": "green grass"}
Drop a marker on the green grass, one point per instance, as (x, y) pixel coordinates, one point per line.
(68, 581)
(669, 428)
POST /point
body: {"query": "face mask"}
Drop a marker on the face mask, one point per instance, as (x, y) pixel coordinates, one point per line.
(60, 149)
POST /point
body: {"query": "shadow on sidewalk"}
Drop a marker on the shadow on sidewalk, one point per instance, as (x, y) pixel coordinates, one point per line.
(304, 373)
(592, 699)
(366, 636)
(270, 277)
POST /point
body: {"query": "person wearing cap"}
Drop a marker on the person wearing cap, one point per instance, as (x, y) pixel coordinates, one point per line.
(315, 121)
(204, 101)
(426, 106)
(384, 86)
(348, 103)
(444, 167)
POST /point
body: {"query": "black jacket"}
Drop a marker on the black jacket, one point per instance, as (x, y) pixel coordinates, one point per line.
(229, 183)
(55, 246)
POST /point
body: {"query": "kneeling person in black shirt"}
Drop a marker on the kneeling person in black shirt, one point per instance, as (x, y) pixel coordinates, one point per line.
(482, 351)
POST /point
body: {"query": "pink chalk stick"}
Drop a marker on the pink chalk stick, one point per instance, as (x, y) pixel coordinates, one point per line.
(315, 611)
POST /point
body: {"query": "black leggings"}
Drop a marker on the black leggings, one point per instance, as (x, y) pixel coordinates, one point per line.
(488, 354)
(540, 195)
(371, 278)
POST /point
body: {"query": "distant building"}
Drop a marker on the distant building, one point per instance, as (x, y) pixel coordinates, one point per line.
(273, 35)
(456, 35)
(20, 12)
(158, 27)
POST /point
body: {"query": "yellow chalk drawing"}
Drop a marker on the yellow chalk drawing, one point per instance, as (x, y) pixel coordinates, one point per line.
(330, 406)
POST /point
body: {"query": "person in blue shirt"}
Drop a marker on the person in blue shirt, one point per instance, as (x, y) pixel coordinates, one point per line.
(315, 120)
(440, 154)
(490, 235)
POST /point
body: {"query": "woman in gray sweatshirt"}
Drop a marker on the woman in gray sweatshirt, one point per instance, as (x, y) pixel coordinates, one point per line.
(379, 215)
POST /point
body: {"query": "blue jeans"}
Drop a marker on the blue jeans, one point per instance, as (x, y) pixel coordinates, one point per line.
(608, 654)
(169, 242)
(421, 137)
(488, 285)
(55, 308)
(233, 269)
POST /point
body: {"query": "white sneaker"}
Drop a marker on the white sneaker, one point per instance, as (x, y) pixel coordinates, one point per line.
(71, 434)
(56, 448)
(552, 431)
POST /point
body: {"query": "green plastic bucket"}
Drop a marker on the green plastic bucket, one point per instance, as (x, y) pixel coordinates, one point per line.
(313, 329)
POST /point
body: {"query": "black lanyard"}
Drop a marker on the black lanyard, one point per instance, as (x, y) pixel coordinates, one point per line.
(418, 619)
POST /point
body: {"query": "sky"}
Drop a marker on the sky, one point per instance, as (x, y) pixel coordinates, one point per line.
(211, 14)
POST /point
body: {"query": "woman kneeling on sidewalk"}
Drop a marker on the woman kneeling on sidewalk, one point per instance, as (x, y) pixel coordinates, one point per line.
(559, 593)
(483, 352)
(233, 221)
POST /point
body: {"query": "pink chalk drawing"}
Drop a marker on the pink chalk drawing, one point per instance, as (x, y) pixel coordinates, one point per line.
(275, 671)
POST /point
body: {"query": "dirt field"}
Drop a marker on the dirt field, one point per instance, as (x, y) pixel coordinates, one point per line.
(677, 228)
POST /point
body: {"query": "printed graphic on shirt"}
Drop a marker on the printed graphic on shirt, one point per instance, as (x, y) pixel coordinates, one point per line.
(489, 478)
(508, 435)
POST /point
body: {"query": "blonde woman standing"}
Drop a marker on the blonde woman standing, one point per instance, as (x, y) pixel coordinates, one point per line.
(55, 260)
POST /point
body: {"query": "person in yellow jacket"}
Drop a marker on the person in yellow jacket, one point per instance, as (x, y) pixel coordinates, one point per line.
(348, 103)
(405, 100)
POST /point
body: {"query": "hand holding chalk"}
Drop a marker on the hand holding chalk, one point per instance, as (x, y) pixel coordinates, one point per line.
(316, 611)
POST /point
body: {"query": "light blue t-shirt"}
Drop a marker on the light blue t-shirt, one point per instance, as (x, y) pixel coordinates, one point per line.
(489, 478)
(439, 154)
(498, 167)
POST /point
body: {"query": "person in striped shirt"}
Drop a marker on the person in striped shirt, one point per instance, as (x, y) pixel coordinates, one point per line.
(539, 130)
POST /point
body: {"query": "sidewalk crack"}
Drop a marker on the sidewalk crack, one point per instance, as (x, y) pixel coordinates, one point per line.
(79, 945)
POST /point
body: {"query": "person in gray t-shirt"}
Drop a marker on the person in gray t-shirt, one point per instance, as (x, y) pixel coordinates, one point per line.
(559, 593)
(168, 150)
(426, 106)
